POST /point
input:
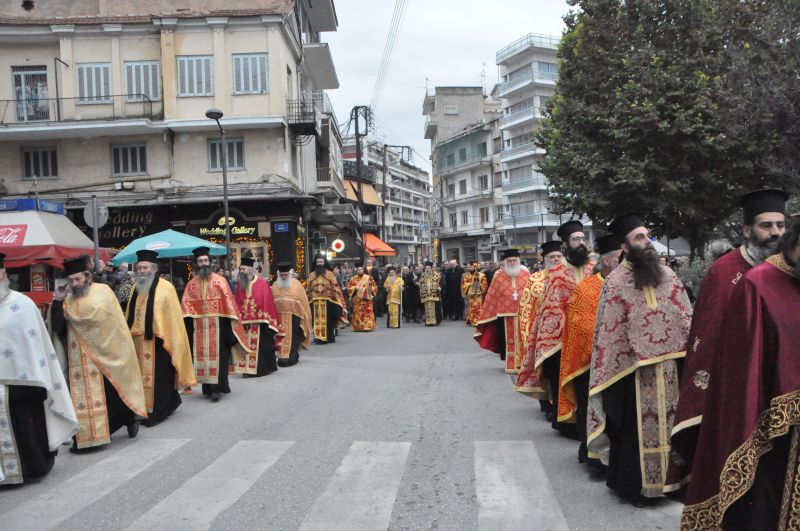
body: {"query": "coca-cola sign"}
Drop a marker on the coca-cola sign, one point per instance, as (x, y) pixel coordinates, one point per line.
(12, 235)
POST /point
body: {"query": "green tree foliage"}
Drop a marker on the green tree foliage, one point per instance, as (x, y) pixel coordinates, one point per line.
(654, 110)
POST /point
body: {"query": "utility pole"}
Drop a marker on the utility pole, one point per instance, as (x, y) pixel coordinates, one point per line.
(366, 112)
(383, 188)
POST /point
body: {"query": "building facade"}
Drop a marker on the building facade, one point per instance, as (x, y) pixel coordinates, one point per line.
(109, 99)
(529, 73)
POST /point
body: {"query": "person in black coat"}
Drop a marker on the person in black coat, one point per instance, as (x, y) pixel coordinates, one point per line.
(455, 302)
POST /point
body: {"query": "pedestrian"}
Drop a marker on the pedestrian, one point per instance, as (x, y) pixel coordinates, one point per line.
(162, 345)
(263, 329)
(380, 297)
(393, 286)
(641, 329)
(104, 379)
(212, 321)
(455, 302)
(328, 305)
(431, 285)
(295, 313)
(36, 414)
(362, 290)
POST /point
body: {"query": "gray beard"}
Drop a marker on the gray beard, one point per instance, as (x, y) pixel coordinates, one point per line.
(245, 279)
(79, 292)
(5, 288)
(758, 251)
(512, 271)
(284, 284)
(203, 272)
(144, 282)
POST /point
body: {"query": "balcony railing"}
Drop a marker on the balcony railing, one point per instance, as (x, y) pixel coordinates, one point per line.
(535, 76)
(303, 117)
(529, 40)
(516, 150)
(472, 194)
(530, 180)
(534, 111)
(323, 103)
(527, 217)
(114, 107)
(480, 159)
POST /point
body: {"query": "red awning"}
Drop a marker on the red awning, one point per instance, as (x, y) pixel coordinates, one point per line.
(32, 237)
(377, 247)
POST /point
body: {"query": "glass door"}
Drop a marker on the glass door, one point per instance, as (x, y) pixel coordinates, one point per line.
(30, 91)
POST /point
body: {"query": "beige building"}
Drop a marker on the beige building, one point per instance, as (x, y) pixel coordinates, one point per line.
(108, 98)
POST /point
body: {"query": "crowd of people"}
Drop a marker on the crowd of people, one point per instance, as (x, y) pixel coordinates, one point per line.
(698, 402)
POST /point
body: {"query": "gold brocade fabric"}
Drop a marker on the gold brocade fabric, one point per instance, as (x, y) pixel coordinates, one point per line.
(169, 328)
(534, 287)
(99, 344)
(292, 301)
(473, 288)
(362, 290)
(394, 290)
(430, 287)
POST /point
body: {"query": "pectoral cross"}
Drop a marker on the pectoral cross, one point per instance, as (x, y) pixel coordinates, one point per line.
(514, 295)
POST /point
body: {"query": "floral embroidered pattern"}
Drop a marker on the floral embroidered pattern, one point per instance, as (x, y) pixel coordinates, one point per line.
(701, 379)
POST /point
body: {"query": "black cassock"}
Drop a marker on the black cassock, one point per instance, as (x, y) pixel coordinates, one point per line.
(226, 341)
(297, 339)
(26, 412)
(267, 358)
(334, 315)
(165, 397)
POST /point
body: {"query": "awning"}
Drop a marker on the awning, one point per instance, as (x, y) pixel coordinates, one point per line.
(371, 197)
(33, 237)
(376, 246)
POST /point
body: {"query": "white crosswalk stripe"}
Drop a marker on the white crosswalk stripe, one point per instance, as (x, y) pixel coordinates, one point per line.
(86, 487)
(215, 488)
(513, 490)
(363, 490)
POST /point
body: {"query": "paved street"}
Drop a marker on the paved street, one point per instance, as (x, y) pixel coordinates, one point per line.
(406, 429)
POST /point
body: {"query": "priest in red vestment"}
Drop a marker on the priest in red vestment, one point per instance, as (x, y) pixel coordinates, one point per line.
(541, 365)
(746, 472)
(262, 323)
(498, 326)
(641, 328)
(764, 224)
(212, 322)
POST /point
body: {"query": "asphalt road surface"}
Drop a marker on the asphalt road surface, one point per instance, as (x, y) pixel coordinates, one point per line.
(415, 428)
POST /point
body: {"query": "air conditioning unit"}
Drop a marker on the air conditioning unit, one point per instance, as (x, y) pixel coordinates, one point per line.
(436, 223)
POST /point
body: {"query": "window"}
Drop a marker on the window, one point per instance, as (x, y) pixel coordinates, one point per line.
(499, 212)
(483, 182)
(40, 163)
(250, 75)
(195, 76)
(485, 214)
(142, 81)
(464, 217)
(30, 91)
(451, 109)
(453, 220)
(235, 154)
(451, 160)
(462, 187)
(548, 70)
(451, 190)
(94, 83)
(482, 149)
(462, 154)
(521, 173)
(128, 159)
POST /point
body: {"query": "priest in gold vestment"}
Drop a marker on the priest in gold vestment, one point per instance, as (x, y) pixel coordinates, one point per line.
(328, 306)
(292, 305)
(473, 288)
(393, 287)
(162, 346)
(362, 289)
(430, 293)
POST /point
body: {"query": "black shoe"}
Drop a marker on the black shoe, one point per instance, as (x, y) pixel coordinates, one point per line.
(133, 429)
(215, 397)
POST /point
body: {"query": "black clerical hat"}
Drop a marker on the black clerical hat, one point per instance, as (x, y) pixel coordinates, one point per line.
(284, 267)
(509, 253)
(201, 251)
(608, 243)
(391, 268)
(566, 230)
(75, 265)
(624, 224)
(760, 201)
(428, 264)
(146, 255)
(2, 261)
(359, 264)
(249, 262)
(550, 247)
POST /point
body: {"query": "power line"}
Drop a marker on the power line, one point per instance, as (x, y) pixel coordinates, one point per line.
(391, 39)
(380, 124)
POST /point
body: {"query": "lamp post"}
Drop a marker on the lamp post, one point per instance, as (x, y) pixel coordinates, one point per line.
(216, 115)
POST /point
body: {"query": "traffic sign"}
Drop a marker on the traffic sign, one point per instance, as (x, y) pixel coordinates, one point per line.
(102, 215)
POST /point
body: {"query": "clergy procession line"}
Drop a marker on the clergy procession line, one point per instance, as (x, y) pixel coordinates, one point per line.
(697, 403)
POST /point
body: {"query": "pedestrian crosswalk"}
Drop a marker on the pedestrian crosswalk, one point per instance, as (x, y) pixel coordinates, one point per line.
(510, 484)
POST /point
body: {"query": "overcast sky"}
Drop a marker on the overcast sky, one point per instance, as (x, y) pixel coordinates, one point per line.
(446, 41)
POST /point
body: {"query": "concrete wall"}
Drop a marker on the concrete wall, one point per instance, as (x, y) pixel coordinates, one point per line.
(63, 8)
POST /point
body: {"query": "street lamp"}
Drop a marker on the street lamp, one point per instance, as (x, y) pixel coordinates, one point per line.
(216, 115)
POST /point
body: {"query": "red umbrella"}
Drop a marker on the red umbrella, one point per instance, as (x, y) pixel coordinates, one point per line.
(31, 237)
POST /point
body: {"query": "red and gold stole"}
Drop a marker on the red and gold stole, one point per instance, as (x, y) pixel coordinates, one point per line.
(256, 307)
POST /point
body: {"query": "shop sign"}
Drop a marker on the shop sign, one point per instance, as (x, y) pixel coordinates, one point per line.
(126, 225)
(12, 235)
(281, 227)
(38, 281)
(219, 230)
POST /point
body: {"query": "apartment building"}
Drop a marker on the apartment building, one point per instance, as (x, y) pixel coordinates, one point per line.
(404, 192)
(109, 98)
(529, 72)
(462, 125)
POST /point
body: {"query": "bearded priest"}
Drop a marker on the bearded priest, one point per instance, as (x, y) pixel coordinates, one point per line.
(104, 378)
(213, 325)
(262, 324)
(542, 364)
(162, 346)
(362, 289)
(473, 288)
(393, 287)
(641, 328)
(328, 306)
(431, 285)
(498, 325)
(295, 313)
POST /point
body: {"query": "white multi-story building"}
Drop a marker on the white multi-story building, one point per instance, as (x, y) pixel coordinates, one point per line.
(529, 72)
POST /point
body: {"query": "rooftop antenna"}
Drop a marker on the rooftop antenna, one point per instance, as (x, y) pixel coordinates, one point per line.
(483, 78)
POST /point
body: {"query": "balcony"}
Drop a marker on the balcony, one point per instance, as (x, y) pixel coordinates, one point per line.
(519, 151)
(534, 76)
(320, 65)
(521, 116)
(328, 179)
(303, 117)
(403, 238)
(430, 128)
(466, 164)
(468, 196)
(535, 181)
(127, 113)
(531, 40)
(509, 219)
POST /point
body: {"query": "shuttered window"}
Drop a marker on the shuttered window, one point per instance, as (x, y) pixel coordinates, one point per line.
(39, 162)
(235, 154)
(94, 83)
(250, 75)
(195, 76)
(128, 159)
(142, 81)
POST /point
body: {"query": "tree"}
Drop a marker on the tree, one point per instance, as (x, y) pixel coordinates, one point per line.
(642, 116)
